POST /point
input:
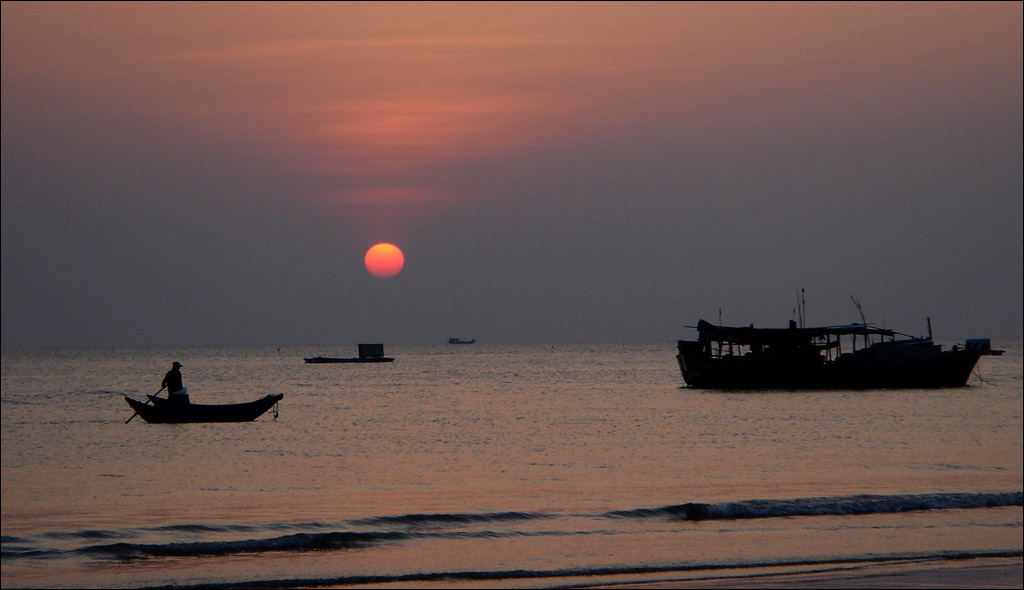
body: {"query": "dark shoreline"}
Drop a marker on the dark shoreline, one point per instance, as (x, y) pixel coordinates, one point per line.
(996, 572)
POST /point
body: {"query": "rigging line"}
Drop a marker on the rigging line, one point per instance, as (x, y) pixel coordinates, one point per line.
(977, 373)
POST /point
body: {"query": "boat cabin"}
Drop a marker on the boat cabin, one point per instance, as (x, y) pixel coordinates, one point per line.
(371, 351)
(825, 343)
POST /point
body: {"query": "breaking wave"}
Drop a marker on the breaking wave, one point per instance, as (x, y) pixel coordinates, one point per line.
(449, 519)
(127, 544)
(827, 506)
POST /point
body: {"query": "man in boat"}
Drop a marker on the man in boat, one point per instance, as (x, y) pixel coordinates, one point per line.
(176, 392)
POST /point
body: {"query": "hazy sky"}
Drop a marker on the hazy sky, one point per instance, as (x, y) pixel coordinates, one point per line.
(213, 173)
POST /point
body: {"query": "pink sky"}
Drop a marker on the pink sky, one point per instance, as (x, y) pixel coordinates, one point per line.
(388, 115)
(384, 90)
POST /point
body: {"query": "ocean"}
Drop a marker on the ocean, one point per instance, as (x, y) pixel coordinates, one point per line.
(482, 465)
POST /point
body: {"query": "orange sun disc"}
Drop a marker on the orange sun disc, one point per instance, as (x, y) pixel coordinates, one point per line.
(384, 260)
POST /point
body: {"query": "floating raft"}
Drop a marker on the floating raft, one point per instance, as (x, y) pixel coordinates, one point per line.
(368, 353)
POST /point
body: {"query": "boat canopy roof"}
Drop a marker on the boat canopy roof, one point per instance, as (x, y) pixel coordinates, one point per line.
(752, 335)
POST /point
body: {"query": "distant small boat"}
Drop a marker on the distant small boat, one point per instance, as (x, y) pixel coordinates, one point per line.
(368, 353)
(461, 341)
(166, 412)
(313, 360)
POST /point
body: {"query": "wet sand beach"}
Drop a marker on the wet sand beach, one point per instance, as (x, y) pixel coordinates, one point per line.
(974, 573)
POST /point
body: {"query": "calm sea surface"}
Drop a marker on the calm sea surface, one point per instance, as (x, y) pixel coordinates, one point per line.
(477, 465)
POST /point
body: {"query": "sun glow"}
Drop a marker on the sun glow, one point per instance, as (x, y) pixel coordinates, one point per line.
(384, 260)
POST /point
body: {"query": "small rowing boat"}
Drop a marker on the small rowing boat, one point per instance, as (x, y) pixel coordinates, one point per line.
(166, 412)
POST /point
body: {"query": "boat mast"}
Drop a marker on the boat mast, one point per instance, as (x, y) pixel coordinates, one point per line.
(719, 323)
(863, 321)
(860, 310)
(801, 308)
(803, 313)
(799, 314)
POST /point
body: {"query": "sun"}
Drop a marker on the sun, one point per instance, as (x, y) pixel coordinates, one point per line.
(384, 260)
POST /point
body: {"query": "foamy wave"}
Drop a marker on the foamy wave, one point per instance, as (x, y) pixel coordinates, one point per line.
(368, 532)
(448, 519)
(297, 542)
(827, 506)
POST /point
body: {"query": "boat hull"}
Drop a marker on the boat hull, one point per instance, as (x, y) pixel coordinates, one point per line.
(862, 371)
(163, 411)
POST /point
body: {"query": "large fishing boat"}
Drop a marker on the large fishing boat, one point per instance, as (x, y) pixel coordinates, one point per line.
(856, 356)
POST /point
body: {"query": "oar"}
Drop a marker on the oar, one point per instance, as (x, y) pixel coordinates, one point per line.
(147, 401)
